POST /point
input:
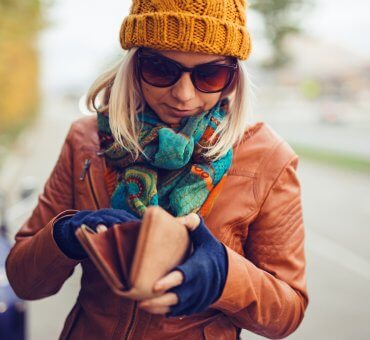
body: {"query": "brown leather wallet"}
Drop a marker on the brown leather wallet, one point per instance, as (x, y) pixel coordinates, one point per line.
(132, 256)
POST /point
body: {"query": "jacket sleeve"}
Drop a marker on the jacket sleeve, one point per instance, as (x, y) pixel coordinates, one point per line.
(265, 292)
(35, 266)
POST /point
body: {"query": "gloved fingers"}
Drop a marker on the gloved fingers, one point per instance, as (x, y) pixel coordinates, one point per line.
(79, 217)
(169, 281)
(94, 220)
(185, 291)
(109, 217)
(193, 266)
(122, 214)
(195, 294)
(185, 299)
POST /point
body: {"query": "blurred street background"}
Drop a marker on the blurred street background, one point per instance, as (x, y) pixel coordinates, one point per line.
(310, 65)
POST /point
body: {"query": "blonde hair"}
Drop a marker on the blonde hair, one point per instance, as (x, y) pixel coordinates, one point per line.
(118, 92)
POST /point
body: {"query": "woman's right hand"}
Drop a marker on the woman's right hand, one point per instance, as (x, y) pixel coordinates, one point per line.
(65, 228)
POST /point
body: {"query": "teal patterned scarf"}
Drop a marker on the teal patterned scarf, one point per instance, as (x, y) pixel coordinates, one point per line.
(172, 173)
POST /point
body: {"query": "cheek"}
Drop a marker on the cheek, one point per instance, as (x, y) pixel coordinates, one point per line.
(152, 95)
(209, 99)
(146, 92)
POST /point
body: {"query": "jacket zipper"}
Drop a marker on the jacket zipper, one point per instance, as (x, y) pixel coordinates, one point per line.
(132, 323)
(84, 169)
(86, 173)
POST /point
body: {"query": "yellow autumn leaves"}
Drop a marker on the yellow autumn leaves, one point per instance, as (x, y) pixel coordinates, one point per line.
(20, 21)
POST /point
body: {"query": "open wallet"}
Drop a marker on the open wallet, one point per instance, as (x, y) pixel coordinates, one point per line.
(132, 256)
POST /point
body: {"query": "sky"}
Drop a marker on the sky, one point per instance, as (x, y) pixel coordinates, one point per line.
(82, 36)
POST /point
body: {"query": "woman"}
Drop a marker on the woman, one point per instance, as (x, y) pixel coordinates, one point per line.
(172, 130)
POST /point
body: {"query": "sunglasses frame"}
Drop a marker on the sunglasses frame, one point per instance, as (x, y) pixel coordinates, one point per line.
(141, 54)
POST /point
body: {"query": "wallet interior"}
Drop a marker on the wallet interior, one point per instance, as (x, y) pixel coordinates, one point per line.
(112, 251)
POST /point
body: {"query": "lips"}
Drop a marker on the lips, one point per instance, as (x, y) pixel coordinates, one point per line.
(180, 110)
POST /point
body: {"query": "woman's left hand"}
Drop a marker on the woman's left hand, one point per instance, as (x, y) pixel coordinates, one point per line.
(162, 303)
(197, 283)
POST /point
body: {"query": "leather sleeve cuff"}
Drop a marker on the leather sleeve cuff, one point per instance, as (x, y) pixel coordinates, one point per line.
(36, 267)
(59, 253)
(66, 240)
(238, 270)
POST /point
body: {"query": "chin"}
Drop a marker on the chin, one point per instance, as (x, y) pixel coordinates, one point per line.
(174, 117)
(169, 120)
(174, 121)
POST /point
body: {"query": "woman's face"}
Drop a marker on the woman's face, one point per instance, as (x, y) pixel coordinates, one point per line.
(182, 99)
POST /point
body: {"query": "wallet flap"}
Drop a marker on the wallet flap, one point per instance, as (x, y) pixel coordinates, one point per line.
(101, 248)
(163, 244)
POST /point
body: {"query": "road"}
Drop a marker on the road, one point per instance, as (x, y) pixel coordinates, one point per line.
(336, 215)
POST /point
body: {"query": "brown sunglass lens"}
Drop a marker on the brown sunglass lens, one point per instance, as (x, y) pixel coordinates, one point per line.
(212, 78)
(159, 72)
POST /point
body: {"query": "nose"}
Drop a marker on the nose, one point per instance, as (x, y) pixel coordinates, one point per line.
(184, 89)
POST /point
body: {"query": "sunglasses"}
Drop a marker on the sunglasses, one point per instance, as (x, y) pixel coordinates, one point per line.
(157, 70)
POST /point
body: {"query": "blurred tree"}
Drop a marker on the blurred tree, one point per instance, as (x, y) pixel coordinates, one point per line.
(20, 21)
(280, 19)
(19, 18)
(310, 89)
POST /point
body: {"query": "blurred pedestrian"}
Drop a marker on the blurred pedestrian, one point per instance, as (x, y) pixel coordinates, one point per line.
(173, 129)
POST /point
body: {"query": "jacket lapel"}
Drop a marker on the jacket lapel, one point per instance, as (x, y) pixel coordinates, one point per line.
(97, 183)
(93, 165)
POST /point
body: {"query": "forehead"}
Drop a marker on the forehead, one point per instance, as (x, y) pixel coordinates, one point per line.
(190, 59)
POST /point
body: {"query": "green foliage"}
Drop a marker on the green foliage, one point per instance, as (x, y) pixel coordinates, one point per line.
(310, 88)
(339, 159)
(281, 18)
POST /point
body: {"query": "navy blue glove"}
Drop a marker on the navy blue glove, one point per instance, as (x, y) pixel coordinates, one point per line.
(65, 228)
(204, 273)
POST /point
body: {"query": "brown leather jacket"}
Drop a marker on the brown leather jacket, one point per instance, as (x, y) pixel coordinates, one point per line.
(257, 215)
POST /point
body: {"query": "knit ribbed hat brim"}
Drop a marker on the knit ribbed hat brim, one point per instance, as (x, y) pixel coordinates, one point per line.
(185, 32)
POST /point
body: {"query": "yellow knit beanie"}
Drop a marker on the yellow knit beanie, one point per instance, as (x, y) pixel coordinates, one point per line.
(207, 26)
